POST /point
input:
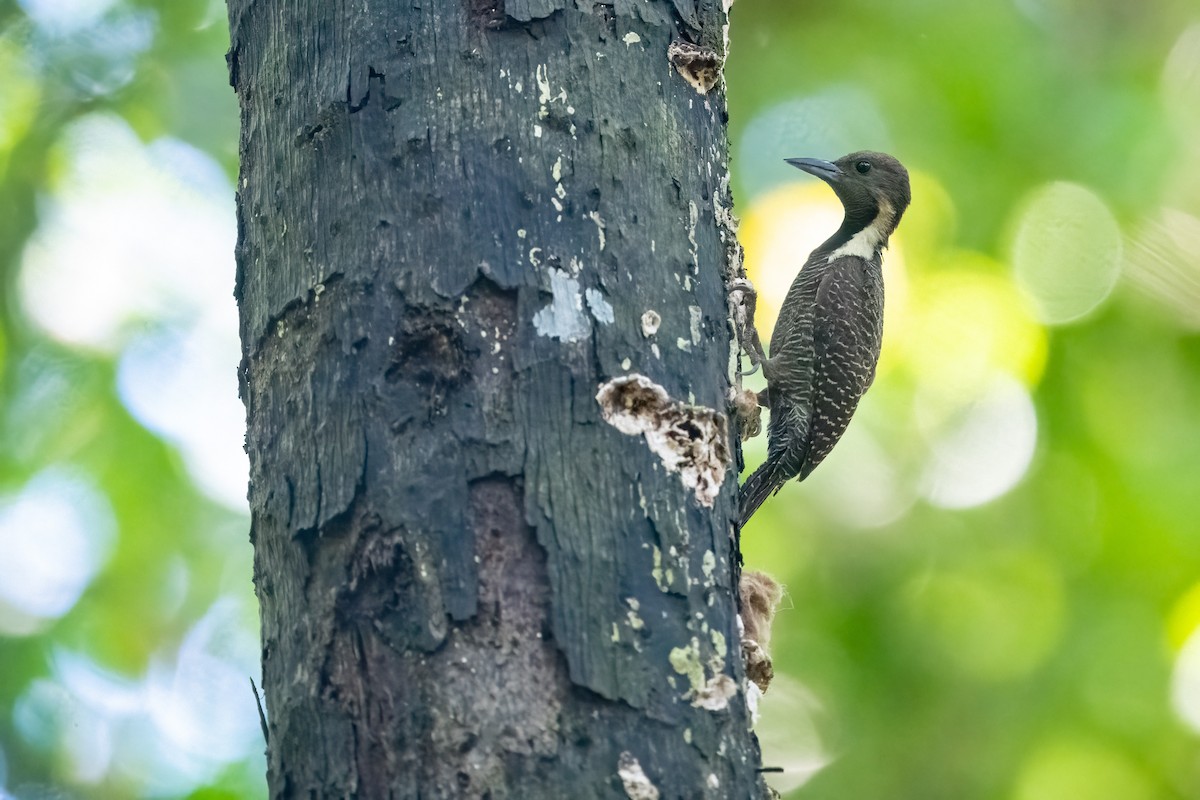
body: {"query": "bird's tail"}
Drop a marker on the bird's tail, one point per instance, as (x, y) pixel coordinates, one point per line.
(765, 481)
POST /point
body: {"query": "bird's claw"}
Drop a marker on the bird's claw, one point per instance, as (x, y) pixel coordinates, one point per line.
(743, 286)
(744, 319)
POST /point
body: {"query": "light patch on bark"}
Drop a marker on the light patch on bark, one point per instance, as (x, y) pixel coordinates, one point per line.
(662, 577)
(637, 784)
(541, 75)
(696, 317)
(595, 217)
(720, 647)
(686, 661)
(631, 616)
(753, 695)
(708, 565)
(711, 694)
(689, 439)
(651, 319)
(694, 246)
(563, 319)
(715, 694)
(602, 310)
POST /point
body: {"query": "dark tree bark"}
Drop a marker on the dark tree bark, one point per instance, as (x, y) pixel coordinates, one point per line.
(488, 565)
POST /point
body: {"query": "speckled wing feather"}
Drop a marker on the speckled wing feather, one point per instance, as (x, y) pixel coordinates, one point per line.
(789, 370)
(847, 335)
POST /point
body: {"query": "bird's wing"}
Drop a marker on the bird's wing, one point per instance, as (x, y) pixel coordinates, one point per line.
(846, 339)
(789, 370)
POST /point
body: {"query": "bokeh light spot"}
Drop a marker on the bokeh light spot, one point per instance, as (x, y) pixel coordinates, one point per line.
(50, 717)
(108, 258)
(55, 535)
(66, 16)
(1185, 682)
(166, 733)
(107, 255)
(1184, 620)
(1181, 81)
(204, 709)
(980, 450)
(181, 385)
(1067, 251)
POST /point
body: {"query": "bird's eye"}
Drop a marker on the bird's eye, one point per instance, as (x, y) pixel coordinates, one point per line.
(863, 167)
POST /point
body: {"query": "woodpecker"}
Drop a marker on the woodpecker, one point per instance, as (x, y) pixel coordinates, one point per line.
(827, 338)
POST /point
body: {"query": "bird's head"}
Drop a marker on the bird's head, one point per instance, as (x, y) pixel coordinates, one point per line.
(872, 186)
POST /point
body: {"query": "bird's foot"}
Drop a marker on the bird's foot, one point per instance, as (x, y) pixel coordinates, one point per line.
(744, 306)
(743, 286)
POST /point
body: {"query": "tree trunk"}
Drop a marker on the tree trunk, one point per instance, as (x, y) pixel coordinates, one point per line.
(487, 565)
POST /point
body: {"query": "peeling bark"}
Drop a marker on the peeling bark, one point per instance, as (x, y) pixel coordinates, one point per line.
(457, 222)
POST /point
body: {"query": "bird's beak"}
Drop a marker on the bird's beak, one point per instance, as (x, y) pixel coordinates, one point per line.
(825, 170)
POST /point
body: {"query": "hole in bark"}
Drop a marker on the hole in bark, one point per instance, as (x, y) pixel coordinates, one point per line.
(429, 352)
(382, 572)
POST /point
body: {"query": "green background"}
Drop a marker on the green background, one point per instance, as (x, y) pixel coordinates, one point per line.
(992, 583)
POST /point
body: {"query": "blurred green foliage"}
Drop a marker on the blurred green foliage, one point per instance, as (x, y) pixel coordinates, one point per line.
(106, 661)
(1032, 639)
(1039, 644)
